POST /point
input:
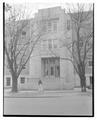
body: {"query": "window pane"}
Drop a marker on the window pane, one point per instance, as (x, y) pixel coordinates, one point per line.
(23, 33)
(46, 72)
(22, 80)
(68, 24)
(45, 67)
(24, 67)
(44, 44)
(51, 67)
(44, 27)
(49, 43)
(55, 26)
(8, 81)
(90, 79)
(57, 68)
(55, 43)
(90, 63)
(52, 71)
(80, 43)
(49, 26)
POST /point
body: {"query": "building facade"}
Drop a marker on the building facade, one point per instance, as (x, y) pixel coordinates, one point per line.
(48, 61)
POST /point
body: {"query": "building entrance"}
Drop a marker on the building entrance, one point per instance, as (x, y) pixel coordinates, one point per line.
(51, 67)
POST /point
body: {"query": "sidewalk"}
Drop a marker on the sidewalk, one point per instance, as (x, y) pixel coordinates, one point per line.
(46, 93)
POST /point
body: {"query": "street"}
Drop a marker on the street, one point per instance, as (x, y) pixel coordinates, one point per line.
(58, 104)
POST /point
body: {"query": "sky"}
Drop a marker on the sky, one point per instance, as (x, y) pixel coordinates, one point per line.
(32, 7)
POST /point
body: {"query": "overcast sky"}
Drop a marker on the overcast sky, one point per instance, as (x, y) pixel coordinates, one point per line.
(32, 8)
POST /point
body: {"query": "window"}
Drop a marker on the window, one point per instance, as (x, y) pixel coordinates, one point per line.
(8, 81)
(44, 27)
(52, 71)
(44, 44)
(50, 44)
(22, 80)
(88, 44)
(55, 43)
(55, 26)
(49, 26)
(80, 43)
(58, 71)
(90, 63)
(23, 33)
(24, 67)
(68, 24)
(46, 67)
(57, 68)
(45, 62)
(51, 67)
(91, 78)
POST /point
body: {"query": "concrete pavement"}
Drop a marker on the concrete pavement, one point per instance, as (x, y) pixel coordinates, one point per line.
(46, 93)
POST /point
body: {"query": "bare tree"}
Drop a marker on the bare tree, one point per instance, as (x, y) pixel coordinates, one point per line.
(21, 37)
(81, 46)
(82, 41)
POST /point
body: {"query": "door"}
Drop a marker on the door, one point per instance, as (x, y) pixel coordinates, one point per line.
(51, 67)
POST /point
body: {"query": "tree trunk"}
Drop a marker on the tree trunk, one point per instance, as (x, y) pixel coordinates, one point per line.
(14, 84)
(83, 83)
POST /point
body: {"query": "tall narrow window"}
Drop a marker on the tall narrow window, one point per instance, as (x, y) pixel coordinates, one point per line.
(55, 26)
(49, 26)
(68, 24)
(44, 28)
(23, 35)
(52, 71)
(91, 78)
(57, 68)
(80, 43)
(43, 44)
(91, 81)
(8, 81)
(55, 44)
(49, 44)
(46, 67)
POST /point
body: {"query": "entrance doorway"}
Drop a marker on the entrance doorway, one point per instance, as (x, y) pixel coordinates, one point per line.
(51, 67)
